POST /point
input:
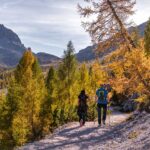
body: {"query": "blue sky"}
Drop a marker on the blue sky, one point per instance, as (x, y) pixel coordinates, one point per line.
(48, 25)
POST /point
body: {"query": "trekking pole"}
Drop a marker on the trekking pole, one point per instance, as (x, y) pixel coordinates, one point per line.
(109, 113)
(94, 113)
(95, 107)
(108, 88)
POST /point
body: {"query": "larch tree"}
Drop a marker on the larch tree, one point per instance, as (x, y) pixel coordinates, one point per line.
(107, 25)
(26, 94)
(47, 112)
(108, 21)
(84, 77)
(51, 81)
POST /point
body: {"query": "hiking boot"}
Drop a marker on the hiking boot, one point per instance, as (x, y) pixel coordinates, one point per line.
(104, 123)
(99, 125)
(81, 122)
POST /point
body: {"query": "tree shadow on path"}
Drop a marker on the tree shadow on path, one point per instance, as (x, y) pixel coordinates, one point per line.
(93, 136)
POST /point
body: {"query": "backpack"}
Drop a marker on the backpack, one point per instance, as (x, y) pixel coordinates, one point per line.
(101, 95)
(82, 107)
(82, 100)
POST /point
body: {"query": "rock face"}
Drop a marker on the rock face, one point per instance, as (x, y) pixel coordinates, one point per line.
(141, 28)
(125, 103)
(11, 48)
(86, 54)
(129, 106)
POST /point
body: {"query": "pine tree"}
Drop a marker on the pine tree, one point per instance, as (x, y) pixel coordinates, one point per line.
(147, 39)
(67, 80)
(69, 69)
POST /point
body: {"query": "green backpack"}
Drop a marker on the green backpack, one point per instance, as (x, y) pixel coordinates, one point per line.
(101, 95)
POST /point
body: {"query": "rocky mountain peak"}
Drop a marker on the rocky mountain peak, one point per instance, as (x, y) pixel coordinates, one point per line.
(12, 49)
(9, 39)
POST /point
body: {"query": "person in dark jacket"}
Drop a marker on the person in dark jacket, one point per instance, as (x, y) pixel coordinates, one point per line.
(82, 107)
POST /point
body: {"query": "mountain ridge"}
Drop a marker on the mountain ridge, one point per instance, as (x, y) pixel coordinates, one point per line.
(87, 54)
(12, 49)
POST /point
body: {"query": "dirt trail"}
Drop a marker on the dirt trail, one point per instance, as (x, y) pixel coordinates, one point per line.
(73, 137)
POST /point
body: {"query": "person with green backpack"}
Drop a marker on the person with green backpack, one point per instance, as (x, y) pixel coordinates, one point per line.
(102, 102)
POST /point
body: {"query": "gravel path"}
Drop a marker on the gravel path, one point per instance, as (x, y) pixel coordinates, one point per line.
(132, 134)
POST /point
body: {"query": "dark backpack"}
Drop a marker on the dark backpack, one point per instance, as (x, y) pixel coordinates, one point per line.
(82, 100)
(82, 107)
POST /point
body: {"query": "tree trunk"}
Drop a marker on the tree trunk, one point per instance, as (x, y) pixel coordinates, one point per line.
(124, 32)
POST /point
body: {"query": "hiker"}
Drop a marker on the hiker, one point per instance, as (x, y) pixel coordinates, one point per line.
(82, 107)
(102, 102)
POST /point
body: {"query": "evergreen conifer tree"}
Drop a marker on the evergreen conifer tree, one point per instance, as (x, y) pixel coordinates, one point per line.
(67, 80)
(69, 70)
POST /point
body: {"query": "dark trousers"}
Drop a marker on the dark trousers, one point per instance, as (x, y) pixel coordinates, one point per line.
(83, 117)
(101, 107)
(82, 113)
